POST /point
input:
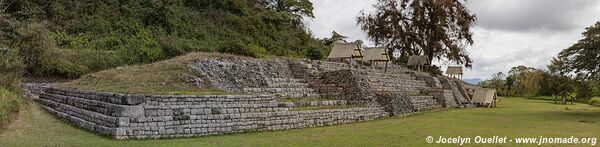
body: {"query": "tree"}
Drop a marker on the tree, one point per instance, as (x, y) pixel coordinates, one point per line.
(558, 66)
(297, 7)
(436, 28)
(497, 82)
(582, 57)
(335, 38)
(524, 80)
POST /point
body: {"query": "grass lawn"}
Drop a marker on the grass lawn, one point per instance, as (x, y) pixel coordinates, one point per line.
(514, 117)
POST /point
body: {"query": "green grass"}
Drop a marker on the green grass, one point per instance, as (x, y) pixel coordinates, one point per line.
(514, 117)
(164, 77)
(9, 105)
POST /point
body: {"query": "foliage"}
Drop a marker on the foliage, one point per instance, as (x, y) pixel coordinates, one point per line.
(436, 28)
(582, 57)
(595, 101)
(10, 102)
(11, 69)
(530, 82)
(95, 35)
(588, 89)
(497, 82)
(40, 56)
(335, 38)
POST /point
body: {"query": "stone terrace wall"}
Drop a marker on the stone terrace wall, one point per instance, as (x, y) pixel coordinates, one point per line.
(254, 76)
(355, 88)
(144, 116)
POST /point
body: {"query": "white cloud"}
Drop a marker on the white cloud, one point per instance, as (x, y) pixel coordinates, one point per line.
(509, 32)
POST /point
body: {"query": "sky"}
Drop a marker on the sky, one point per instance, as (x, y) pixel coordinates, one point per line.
(507, 33)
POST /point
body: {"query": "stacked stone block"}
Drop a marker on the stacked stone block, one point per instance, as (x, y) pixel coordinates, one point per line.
(146, 116)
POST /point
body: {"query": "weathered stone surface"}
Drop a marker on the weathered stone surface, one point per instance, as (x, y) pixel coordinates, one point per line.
(176, 116)
(375, 92)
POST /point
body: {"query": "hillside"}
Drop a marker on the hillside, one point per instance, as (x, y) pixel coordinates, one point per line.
(69, 38)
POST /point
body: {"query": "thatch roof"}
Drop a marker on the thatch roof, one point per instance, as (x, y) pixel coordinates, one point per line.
(483, 96)
(344, 50)
(418, 60)
(375, 54)
(454, 70)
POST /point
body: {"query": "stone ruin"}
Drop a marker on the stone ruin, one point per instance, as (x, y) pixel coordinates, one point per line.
(271, 96)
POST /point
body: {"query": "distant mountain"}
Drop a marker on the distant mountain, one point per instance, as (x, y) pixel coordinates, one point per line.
(473, 81)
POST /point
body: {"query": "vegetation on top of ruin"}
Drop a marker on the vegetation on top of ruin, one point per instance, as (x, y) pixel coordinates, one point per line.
(164, 77)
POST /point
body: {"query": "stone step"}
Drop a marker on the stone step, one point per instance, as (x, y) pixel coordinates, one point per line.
(424, 102)
(296, 95)
(284, 80)
(255, 90)
(321, 103)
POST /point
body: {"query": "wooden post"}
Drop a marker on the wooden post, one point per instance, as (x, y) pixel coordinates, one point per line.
(564, 99)
(495, 99)
(386, 66)
(572, 101)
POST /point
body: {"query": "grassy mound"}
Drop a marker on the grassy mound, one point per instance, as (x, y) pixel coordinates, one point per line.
(164, 77)
(9, 105)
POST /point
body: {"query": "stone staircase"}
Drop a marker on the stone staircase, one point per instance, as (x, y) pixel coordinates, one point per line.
(424, 102)
(403, 83)
(459, 93)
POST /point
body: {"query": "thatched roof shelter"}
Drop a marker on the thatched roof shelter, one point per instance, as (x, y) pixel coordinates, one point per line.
(378, 54)
(418, 60)
(454, 70)
(483, 96)
(346, 50)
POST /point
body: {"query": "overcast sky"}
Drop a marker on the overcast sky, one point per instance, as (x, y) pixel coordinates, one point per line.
(508, 32)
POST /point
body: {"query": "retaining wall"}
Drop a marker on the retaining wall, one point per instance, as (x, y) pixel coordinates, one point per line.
(146, 116)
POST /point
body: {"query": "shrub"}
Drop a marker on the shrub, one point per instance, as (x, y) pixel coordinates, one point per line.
(64, 68)
(315, 54)
(11, 69)
(40, 55)
(33, 47)
(588, 89)
(10, 103)
(595, 101)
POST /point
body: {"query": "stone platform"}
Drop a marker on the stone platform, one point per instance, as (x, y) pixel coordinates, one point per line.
(346, 94)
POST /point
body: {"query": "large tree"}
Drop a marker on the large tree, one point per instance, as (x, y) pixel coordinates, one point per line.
(582, 57)
(436, 28)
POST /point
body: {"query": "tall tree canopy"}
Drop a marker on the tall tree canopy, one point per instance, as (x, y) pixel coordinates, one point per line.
(582, 57)
(436, 28)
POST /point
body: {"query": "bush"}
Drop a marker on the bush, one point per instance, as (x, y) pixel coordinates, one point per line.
(10, 103)
(595, 101)
(40, 55)
(588, 89)
(33, 47)
(64, 68)
(11, 69)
